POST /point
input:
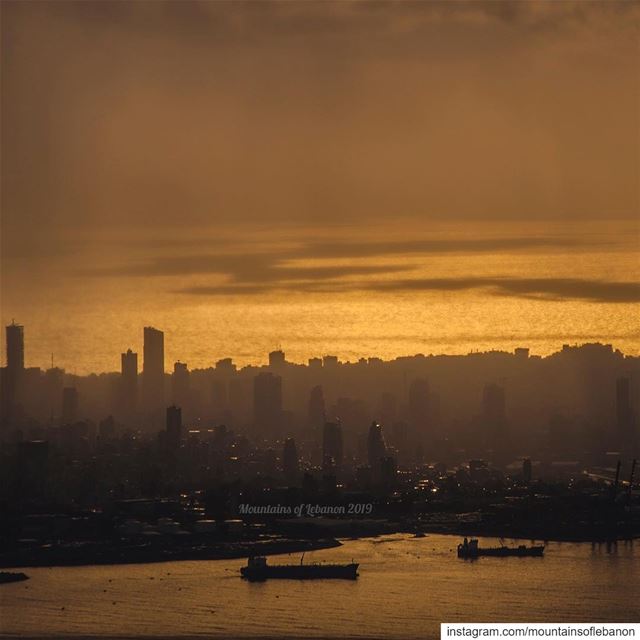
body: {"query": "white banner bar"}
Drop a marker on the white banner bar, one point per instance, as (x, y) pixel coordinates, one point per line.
(453, 630)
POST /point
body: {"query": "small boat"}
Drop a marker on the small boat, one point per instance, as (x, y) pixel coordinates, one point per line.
(10, 576)
(257, 569)
(469, 549)
(420, 534)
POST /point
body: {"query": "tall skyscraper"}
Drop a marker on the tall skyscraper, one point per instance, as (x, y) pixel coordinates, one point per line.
(15, 347)
(13, 373)
(267, 404)
(153, 369)
(376, 446)
(180, 385)
(129, 383)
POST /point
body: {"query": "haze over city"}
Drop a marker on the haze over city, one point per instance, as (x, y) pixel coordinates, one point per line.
(319, 319)
(364, 179)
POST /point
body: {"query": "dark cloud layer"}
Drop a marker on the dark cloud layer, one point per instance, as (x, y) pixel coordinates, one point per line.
(272, 265)
(551, 289)
(261, 272)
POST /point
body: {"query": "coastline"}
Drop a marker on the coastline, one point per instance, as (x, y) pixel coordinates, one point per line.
(109, 554)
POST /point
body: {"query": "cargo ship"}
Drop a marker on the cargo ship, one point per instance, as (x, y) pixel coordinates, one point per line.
(257, 569)
(469, 549)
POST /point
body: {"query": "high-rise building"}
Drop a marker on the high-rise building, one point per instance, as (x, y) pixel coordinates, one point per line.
(290, 463)
(153, 369)
(267, 404)
(15, 347)
(276, 358)
(174, 428)
(376, 446)
(129, 383)
(180, 385)
(69, 405)
(332, 445)
(12, 375)
(527, 470)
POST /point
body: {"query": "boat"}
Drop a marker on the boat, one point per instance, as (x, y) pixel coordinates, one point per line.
(420, 534)
(469, 549)
(257, 569)
(10, 576)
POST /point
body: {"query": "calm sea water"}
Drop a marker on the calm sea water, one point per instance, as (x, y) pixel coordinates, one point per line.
(406, 588)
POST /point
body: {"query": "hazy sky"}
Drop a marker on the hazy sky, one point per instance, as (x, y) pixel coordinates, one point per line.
(185, 113)
(211, 149)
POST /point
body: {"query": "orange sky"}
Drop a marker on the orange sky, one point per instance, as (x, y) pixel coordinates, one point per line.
(160, 139)
(124, 112)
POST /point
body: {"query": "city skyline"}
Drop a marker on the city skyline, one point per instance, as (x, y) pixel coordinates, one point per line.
(128, 358)
(319, 318)
(408, 177)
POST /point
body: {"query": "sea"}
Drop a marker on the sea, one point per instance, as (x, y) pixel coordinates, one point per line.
(406, 588)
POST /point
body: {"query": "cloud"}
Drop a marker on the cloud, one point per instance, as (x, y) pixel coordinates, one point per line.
(276, 264)
(302, 267)
(543, 289)
(538, 288)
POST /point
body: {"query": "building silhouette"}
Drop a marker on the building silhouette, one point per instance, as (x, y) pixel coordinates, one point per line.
(15, 347)
(267, 404)
(276, 359)
(129, 383)
(13, 373)
(180, 385)
(376, 446)
(153, 370)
